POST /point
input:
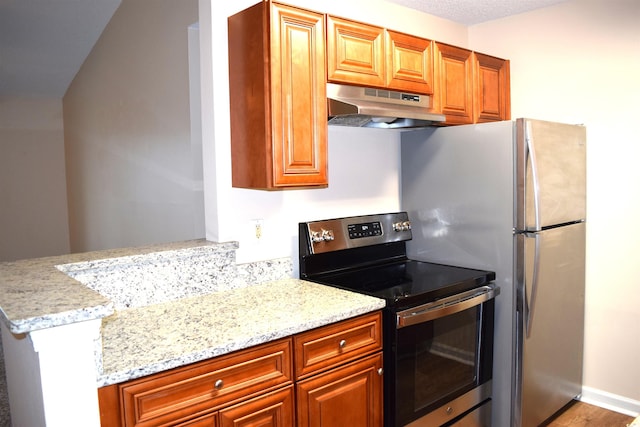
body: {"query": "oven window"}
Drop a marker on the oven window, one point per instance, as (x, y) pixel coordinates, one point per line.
(437, 361)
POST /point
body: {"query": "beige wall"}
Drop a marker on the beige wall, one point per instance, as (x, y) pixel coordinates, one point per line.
(133, 169)
(579, 62)
(33, 209)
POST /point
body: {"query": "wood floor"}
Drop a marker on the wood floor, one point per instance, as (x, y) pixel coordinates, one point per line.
(581, 414)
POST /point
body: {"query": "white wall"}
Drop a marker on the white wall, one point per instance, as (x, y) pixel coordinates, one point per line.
(363, 163)
(579, 62)
(33, 195)
(133, 172)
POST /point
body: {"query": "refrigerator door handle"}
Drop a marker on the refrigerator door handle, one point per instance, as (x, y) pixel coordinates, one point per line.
(530, 302)
(533, 166)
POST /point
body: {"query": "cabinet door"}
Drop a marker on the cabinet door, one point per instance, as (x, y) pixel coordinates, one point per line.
(298, 98)
(347, 396)
(355, 53)
(271, 410)
(409, 63)
(210, 420)
(454, 83)
(277, 89)
(491, 88)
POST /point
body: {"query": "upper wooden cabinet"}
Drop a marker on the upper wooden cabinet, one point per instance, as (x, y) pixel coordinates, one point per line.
(454, 83)
(277, 88)
(492, 94)
(409, 63)
(355, 53)
(470, 87)
(371, 56)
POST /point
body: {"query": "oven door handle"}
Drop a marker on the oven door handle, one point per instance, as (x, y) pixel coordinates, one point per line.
(445, 306)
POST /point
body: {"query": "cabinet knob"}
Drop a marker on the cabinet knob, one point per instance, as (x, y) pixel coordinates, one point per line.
(218, 384)
(342, 343)
(380, 371)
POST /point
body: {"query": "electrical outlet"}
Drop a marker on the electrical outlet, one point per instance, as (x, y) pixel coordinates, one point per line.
(258, 224)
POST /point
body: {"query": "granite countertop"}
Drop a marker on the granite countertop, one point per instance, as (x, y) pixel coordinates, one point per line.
(36, 295)
(197, 303)
(198, 328)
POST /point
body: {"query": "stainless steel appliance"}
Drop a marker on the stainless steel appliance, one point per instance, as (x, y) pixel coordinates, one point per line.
(510, 197)
(437, 323)
(378, 108)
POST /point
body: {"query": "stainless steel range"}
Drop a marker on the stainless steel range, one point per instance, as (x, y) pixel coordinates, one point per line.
(437, 323)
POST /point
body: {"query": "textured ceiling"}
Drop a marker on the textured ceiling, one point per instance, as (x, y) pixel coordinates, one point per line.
(470, 12)
(43, 43)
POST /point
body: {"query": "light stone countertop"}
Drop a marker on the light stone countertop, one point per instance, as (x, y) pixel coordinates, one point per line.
(36, 295)
(229, 309)
(146, 340)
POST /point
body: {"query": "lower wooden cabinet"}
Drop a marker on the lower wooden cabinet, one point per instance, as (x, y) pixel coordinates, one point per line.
(337, 381)
(209, 420)
(274, 409)
(347, 396)
(179, 396)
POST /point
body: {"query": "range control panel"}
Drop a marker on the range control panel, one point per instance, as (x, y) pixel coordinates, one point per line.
(368, 229)
(357, 231)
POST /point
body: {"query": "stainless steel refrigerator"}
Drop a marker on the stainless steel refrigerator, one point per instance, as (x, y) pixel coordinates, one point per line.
(511, 197)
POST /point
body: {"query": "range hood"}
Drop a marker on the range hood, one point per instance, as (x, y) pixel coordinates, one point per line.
(378, 108)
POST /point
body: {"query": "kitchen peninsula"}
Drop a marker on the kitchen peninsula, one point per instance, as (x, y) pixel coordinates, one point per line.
(74, 323)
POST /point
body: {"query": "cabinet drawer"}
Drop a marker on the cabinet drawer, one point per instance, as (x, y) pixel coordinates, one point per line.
(338, 343)
(190, 390)
(209, 420)
(274, 409)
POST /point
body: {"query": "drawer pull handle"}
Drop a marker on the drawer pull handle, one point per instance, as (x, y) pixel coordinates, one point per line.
(342, 343)
(218, 384)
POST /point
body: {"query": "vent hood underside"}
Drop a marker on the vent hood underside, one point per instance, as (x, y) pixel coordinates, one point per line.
(378, 108)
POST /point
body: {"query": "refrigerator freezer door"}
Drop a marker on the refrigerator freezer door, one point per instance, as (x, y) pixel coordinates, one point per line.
(550, 173)
(550, 304)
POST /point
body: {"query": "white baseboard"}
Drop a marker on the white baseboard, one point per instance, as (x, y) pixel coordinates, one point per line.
(610, 401)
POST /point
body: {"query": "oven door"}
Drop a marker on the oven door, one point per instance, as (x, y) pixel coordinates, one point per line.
(444, 357)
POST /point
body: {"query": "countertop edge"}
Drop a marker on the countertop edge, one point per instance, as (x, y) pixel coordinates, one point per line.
(36, 323)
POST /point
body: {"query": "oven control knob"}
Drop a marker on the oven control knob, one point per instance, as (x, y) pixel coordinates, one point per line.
(327, 235)
(402, 226)
(316, 236)
(322, 236)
